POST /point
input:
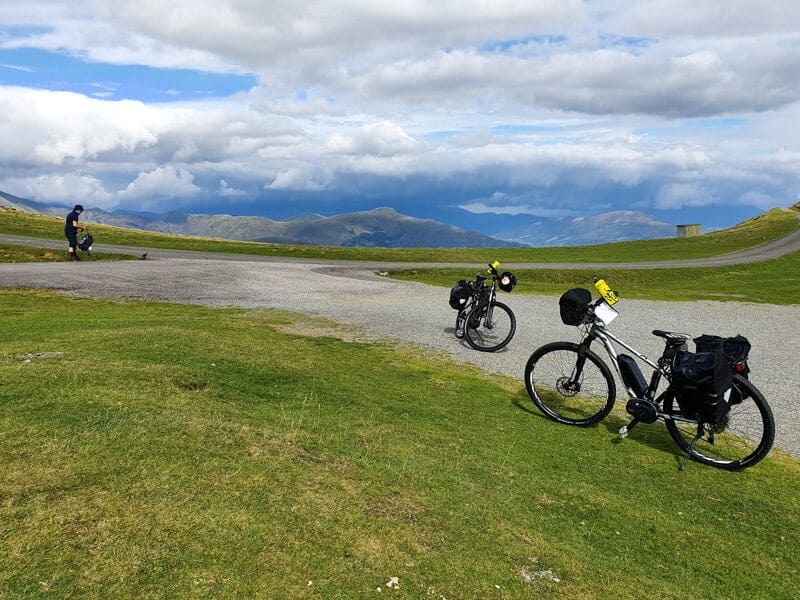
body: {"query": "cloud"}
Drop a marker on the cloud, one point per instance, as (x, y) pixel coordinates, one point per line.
(296, 180)
(17, 68)
(678, 195)
(149, 188)
(515, 209)
(226, 191)
(43, 128)
(554, 105)
(377, 139)
(70, 188)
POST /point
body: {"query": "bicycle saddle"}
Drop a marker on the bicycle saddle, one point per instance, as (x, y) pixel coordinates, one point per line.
(672, 337)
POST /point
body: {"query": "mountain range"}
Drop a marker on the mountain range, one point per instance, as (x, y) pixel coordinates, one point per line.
(379, 227)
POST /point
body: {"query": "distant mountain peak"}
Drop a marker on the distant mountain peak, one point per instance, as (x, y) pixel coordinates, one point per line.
(616, 226)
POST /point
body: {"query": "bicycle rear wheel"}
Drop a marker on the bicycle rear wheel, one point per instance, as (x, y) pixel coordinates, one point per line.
(743, 438)
(489, 335)
(569, 390)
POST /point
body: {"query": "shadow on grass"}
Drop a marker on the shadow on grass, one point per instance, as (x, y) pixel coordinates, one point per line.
(654, 436)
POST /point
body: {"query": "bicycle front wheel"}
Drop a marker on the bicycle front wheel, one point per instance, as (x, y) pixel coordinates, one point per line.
(567, 388)
(489, 327)
(743, 438)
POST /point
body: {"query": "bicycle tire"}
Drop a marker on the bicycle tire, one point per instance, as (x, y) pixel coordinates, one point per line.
(548, 375)
(746, 435)
(497, 335)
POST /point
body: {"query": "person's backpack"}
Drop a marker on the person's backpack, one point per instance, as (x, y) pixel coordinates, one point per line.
(701, 382)
(86, 243)
(459, 294)
(574, 306)
(736, 350)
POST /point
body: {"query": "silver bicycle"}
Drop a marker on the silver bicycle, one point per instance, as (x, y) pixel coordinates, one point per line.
(571, 384)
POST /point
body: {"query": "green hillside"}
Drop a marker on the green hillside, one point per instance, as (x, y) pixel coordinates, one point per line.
(764, 228)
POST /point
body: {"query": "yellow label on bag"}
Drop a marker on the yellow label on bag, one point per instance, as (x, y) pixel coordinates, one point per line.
(609, 295)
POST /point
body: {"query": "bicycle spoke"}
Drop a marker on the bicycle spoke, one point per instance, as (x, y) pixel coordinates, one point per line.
(741, 440)
(563, 395)
(490, 334)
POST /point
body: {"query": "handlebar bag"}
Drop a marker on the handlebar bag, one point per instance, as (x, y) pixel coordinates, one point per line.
(459, 294)
(507, 281)
(574, 306)
(701, 382)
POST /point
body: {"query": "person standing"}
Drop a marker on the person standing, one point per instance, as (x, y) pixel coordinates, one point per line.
(71, 227)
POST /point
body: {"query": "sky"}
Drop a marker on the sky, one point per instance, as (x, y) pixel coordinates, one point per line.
(688, 111)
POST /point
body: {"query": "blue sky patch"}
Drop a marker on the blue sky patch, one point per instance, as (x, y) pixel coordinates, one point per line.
(509, 129)
(626, 42)
(38, 69)
(532, 40)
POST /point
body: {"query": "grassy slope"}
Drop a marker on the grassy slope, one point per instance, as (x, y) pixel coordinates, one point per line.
(771, 225)
(188, 452)
(772, 282)
(12, 253)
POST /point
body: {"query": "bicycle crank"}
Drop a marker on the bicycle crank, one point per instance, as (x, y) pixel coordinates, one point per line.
(642, 410)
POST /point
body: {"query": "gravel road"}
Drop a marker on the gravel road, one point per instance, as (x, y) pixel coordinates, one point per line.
(415, 313)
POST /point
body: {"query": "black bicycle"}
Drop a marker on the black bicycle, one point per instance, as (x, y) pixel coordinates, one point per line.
(571, 384)
(486, 324)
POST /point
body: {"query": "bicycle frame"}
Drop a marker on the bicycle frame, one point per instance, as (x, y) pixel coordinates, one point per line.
(482, 295)
(488, 300)
(599, 332)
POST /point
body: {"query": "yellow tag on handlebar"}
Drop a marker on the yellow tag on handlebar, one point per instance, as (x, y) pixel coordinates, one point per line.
(495, 265)
(609, 295)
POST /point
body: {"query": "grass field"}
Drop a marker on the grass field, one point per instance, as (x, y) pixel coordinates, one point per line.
(155, 450)
(771, 282)
(12, 253)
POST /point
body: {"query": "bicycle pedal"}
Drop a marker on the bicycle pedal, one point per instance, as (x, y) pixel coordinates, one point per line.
(623, 432)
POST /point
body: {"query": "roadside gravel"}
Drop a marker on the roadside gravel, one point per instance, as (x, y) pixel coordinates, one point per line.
(384, 309)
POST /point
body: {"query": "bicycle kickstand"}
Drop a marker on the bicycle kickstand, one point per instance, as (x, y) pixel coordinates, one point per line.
(626, 429)
(690, 450)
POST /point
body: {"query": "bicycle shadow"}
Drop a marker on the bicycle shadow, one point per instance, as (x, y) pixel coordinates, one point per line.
(452, 331)
(655, 437)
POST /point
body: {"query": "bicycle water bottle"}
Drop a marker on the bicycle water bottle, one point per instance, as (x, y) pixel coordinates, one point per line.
(609, 295)
(495, 265)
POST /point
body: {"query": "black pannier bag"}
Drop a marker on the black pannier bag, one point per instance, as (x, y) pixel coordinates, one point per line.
(459, 294)
(574, 305)
(736, 350)
(507, 281)
(701, 382)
